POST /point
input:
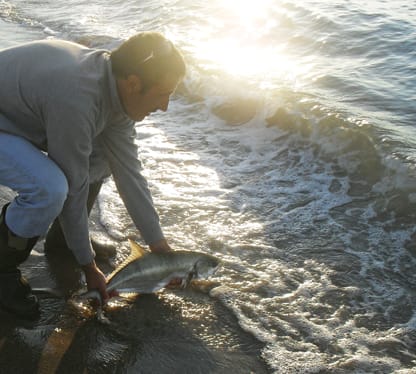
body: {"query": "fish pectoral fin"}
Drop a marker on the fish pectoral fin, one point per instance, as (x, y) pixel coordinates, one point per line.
(157, 285)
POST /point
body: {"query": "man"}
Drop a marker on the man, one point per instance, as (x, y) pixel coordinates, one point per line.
(67, 117)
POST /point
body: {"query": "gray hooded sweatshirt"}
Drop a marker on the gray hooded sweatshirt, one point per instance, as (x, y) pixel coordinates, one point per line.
(62, 97)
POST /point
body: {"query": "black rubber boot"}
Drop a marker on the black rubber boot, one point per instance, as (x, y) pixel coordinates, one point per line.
(15, 292)
(55, 240)
(16, 295)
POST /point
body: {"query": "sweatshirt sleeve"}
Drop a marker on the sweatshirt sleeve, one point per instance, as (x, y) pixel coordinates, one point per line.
(69, 133)
(122, 155)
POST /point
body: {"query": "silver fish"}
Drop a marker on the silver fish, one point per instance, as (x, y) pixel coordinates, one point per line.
(147, 272)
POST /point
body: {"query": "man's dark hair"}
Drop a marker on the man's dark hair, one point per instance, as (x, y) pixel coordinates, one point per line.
(150, 56)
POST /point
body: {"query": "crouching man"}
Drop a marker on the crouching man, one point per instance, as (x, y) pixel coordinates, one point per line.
(67, 116)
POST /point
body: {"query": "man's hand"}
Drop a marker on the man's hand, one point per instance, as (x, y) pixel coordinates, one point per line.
(96, 280)
(160, 246)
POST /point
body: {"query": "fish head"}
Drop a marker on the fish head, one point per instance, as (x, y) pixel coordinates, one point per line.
(205, 266)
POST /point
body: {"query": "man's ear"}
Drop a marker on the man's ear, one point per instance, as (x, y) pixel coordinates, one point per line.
(134, 84)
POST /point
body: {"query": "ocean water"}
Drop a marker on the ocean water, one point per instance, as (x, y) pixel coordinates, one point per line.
(288, 152)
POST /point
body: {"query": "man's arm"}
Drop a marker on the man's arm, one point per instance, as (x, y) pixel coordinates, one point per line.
(69, 135)
(121, 152)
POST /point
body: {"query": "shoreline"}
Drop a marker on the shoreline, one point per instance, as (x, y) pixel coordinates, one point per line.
(183, 331)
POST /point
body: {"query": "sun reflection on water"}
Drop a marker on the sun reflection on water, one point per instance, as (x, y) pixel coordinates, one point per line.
(242, 42)
(238, 58)
(249, 11)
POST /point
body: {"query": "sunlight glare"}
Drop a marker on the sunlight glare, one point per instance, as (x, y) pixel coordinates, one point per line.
(248, 11)
(235, 58)
(244, 48)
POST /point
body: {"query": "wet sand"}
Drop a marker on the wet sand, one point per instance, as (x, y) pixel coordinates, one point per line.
(174, 331)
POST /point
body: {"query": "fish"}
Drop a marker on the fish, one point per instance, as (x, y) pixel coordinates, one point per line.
(145, 272)
(148, 272)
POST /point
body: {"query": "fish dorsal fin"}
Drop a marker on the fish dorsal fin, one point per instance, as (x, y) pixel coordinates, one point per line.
(136, 251)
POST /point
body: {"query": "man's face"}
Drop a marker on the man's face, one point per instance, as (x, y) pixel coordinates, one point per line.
(139, 104)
